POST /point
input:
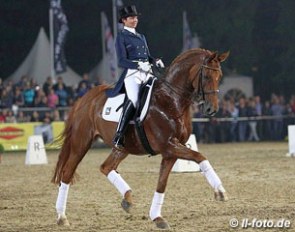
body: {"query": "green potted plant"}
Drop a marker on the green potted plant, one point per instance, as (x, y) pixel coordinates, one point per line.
(1, 151)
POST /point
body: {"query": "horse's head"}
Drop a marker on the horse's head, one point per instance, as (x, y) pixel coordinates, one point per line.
(205, 80)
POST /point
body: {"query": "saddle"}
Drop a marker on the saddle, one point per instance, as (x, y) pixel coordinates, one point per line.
(114, 105)
(113, 108)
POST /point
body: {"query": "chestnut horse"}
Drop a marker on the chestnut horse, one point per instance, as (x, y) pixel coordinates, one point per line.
(193, 76)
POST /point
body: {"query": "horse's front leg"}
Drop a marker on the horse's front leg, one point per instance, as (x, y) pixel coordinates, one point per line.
(183, 152)
(158, 200)
(108, 168)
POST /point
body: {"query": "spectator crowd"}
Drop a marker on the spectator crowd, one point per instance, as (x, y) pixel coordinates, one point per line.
(26, 101)
(247, 119)
(243, 119)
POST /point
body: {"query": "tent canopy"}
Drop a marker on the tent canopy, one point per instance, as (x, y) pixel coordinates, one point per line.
(37, 64)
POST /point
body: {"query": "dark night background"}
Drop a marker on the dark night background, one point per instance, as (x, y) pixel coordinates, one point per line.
(259, 33)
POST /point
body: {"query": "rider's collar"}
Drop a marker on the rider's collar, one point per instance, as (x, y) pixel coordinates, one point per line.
(132, 30)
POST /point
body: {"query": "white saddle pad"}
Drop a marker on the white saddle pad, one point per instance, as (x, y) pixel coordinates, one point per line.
(110, 110)
(112, 113)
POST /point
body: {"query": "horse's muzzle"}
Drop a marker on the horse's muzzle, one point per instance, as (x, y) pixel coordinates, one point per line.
(208, 109)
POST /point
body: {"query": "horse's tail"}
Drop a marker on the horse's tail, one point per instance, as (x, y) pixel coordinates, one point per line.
(65, 138)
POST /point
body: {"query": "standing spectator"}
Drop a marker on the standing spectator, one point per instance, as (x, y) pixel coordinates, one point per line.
(42, 103)
(34, 84)
(85, 79)
(52, 99)
(267, 123)
(22, 117)
(224, 127)
(39, 97)
(292, 104)
(242, 126)
(3, 116)
(59, 82)
(198, 127)
(35, 117)
(1, 86)
(234, 112)
(62, 95)
(71, 95)
(82, 90)
(21, 84)
(29, 95)
(48, 84)
(47, 118)
(6, 98)
(252, 112)
(277, 109)
(258, 106)
(10, 118)
(18, 98)
(56, 116)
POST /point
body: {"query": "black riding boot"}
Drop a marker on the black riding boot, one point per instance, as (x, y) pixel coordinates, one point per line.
(128, 111)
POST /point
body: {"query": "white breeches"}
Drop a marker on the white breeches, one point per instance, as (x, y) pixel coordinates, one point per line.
(134, 78)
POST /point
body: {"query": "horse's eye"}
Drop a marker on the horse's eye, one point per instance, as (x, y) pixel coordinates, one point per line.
(207, 78)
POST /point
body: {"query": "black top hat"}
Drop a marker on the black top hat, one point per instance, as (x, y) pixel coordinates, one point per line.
(127, 11)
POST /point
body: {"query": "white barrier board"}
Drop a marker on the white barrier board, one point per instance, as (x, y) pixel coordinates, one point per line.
(36, 153)
(185, 165)
(291, 138)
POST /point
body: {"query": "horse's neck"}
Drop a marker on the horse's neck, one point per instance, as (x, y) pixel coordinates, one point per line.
(173, 98)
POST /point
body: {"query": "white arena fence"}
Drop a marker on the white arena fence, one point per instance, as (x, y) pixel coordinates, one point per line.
(210, 125)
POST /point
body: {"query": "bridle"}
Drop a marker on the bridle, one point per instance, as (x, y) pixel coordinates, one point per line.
(200, 93)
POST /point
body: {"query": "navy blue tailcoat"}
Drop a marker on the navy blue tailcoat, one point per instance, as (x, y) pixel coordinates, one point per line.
(130, 48)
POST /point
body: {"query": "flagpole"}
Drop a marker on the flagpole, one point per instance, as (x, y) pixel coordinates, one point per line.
(115, 30)
(183, 28)
(115, 23)
(103, 34)
(51, 44)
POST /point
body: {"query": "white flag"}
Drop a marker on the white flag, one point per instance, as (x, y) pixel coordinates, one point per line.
(110, 50)
(189, 41)
(119, 5)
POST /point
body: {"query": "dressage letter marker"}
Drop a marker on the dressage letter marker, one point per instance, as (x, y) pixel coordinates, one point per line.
(185, 165)
(291, 138)
(36, 153)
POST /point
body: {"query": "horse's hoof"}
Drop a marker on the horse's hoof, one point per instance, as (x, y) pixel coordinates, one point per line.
(220, 196)
(161, 223)
(62, 220)
(127, 206)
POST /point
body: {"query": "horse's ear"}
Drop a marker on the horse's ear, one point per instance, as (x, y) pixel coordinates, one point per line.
(222, 57)
(212, 57)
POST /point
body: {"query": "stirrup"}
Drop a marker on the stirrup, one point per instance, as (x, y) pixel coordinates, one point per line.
(118, 142)
(119, 147)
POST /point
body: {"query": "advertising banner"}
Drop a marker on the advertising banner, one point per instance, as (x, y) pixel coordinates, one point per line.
(14, 136)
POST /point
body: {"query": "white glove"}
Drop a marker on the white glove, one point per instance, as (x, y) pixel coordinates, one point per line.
(159, 63)
(144, 66)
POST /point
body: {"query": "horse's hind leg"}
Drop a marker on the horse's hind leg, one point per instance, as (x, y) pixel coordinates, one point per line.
(108, 168)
